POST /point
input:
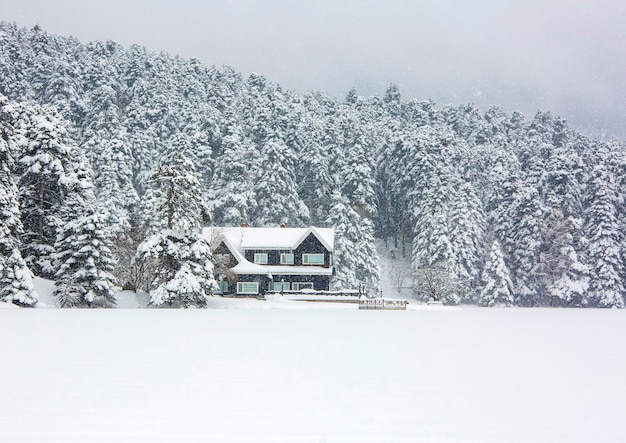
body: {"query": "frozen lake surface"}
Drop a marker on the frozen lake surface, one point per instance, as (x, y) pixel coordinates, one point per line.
(312, 375)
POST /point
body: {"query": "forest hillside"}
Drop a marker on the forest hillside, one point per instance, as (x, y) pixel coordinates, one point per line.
(495, 208)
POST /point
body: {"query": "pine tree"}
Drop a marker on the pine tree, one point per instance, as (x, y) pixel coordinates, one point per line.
(275, 185)
(567, 277)
(84, 259)
(44, 161)
(562, 181)
(431, 243)
(115, 201)
(394, 186)
(175, 201)
(358, 180)
(180, 255)
(526, 213)
(466, 234)
(315, 182)
(13, 63)
(497, 288)
(356, 258)
(231, 190)
(605, 286)
(109, 151)
(15, 277)
(183, 268)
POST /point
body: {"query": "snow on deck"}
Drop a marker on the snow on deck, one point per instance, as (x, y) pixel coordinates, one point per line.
(246, 267)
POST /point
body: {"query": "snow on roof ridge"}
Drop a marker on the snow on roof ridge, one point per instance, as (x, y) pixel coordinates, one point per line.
(276, 237)
(320, 233)
(234, 238)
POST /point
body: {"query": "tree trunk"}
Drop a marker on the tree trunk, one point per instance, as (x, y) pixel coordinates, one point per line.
(170, 205)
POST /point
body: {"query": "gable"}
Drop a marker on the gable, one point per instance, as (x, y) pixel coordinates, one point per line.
(311, 244)
(243, 242)
(222, 249)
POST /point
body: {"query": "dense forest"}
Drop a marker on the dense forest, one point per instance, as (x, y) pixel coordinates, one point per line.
(112, 159)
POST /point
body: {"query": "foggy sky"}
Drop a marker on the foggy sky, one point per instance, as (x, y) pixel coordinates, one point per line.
(568, 57)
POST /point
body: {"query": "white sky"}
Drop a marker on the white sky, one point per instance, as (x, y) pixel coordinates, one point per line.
(568, 57)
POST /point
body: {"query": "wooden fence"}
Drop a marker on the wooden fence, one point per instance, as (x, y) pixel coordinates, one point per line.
(391, 304)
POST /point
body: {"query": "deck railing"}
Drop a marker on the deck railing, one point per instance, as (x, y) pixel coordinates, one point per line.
(383, 303)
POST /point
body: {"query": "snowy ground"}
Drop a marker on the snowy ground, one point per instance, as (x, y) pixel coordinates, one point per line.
(312, 375)
(292, 371)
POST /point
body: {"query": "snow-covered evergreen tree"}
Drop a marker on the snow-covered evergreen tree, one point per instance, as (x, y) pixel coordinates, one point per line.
(315, 180)
(466, 235)
(15, 277)
(606, 288)
(358, 179)
(183, 268)
(277, 199)
(180, 255)
(497, 288)
(431, 243)
(356, 259)
(115, 199)
(44, 158)
(175, 200)
(231, 190)
(83, 259)
(527, 216)
(567, 277)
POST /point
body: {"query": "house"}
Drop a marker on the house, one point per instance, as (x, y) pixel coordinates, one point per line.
(252, 261)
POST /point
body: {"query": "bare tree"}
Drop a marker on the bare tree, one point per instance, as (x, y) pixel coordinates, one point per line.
(437, 283)
(400, 272)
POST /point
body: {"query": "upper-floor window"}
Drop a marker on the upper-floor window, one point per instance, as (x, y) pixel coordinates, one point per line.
(260, 258)
(312, 259)
(286, 259)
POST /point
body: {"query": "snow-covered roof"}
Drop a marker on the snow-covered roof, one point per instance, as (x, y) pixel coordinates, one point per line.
(238, 239)
(271, 238)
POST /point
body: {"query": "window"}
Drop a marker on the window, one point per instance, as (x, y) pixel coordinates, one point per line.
(247, 287)
(223, 286)
(312, 259)
(286, 259)
(260, 258)
(302, 285)
(279, 286)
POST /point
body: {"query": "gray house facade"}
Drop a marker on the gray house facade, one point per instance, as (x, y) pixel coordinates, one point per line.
(253, 261)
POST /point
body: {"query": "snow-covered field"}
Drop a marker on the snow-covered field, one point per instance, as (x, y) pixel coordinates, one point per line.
(312, 375)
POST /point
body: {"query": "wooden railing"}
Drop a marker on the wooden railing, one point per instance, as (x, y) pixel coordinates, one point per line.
(391, 304)
(304, 293)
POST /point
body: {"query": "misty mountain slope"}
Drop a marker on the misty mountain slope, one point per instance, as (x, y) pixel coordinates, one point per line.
(451, 189)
